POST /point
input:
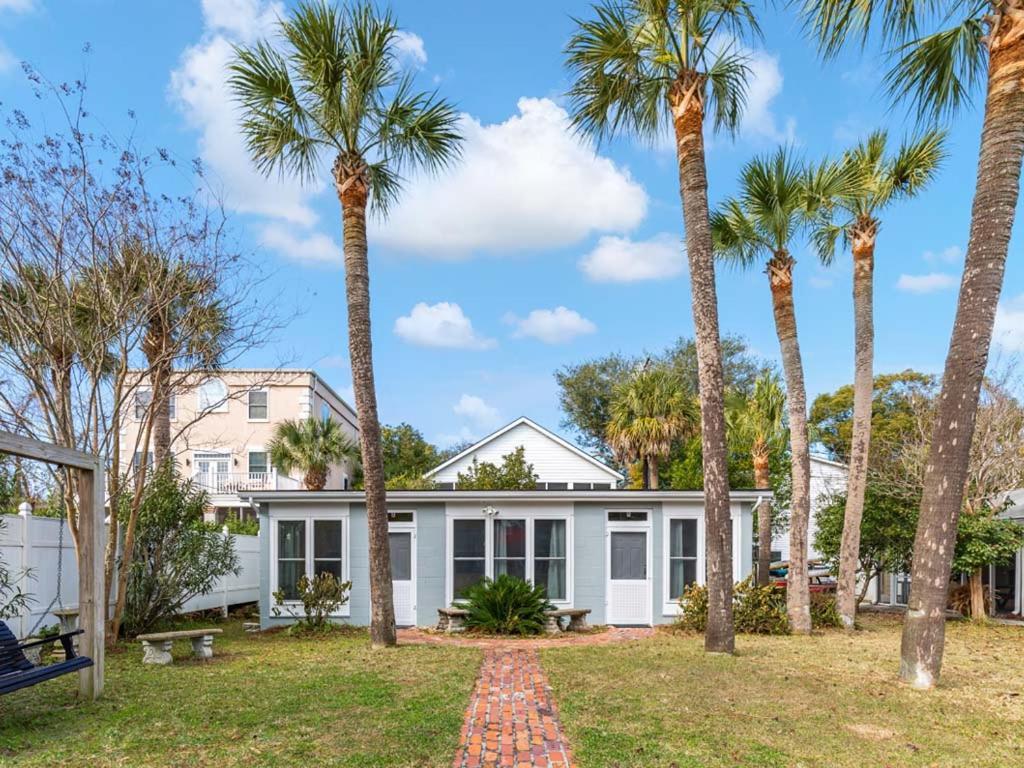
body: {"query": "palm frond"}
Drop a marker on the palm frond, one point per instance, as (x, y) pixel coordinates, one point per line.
(727, 89)
(833, 24)
(735, 238)
(917, 162)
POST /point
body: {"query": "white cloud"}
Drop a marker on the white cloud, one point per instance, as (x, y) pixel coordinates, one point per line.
(17, 6)
(1008, 332)
(929, 283)
(622, 260)
(552, 326)
(954, 254)
(314, 248)
(477, 411)
(764, 85)
(410, 48)
(529, 182)
(198, 87)
(7, 59)
(440, 325)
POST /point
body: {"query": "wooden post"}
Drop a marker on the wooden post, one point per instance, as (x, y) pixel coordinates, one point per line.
(91, 537)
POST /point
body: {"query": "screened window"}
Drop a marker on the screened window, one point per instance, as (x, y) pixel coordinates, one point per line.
(258, 462)
(327, 547)
(549, 557)
(469, 554)
(213, 396)
(510, 548)
(626, 516)
(682, 556)
(258, 405)
(400, 543)
(291, 556)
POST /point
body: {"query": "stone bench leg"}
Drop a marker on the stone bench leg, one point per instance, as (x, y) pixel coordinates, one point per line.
(578, 624)
(456, 624)
(553, 626)
(156, 653)
(202, 647)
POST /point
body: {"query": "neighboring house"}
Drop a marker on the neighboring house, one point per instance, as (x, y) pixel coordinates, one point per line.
(624, 554)
(827, 478)
(222, 424)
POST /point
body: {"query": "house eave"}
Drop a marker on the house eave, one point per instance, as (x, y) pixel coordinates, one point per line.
(606, 497)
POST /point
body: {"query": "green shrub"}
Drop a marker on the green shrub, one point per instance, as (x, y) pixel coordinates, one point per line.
(824, 611)
(759, 610)
(320, 597)
(693, 608)
(506, 606)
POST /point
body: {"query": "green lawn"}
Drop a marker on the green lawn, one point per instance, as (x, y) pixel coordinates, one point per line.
(822, 701)
(262, 701)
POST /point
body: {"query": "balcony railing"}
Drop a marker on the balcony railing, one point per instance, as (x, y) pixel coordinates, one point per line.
(244, 482)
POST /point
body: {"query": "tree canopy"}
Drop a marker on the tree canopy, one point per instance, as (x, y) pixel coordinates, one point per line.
(513, 474)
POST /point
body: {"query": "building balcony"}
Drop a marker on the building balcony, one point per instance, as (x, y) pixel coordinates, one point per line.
(235, 483)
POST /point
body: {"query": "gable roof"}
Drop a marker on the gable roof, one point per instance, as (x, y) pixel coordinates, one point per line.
(522, 420)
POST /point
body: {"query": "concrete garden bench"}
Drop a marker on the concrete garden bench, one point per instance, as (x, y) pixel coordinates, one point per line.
(156, 647)
(451, 619)
(577, 620)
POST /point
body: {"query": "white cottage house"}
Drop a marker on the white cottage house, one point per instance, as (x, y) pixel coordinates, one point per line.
(626, 555)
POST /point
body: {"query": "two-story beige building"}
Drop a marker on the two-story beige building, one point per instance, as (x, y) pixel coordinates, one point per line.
(221, 424)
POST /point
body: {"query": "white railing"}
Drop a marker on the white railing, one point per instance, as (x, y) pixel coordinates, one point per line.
(243, 482)
(31, 543)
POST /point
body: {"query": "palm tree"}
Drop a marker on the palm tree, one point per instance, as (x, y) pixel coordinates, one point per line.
(939, 72)
(779, 198)
(758, 424)
(645, 67)
(649, 412)
(336, 93)
(310, 446)
(882, 180)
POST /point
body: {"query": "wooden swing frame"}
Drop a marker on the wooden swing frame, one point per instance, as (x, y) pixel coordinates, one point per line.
(92, 537)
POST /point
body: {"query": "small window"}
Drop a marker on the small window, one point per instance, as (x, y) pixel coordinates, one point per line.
(172, 407)
(627, 516)
(682, 556)
(143, 398)
(469, 554)
(137, 460)
(213, 396)
(400, 517)
(444, 486)
(327, 547)
(291, 556)
(549, 557)
(258, 462)
(602, 486)
(258, 405)
(325, 412)
(510, 548)
(558, 486)
(583, 486)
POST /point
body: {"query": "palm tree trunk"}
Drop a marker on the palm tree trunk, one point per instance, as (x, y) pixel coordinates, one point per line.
(863, 385)
(798, 596)
(652, 473)
(352, 192)
(995, 202)
(688, 121)
(764, 516)
(157, 349)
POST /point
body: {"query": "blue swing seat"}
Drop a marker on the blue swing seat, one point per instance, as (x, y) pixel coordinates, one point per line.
(17, 672)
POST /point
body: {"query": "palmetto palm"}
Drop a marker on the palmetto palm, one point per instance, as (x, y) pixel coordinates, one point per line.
(779, 199)
(330, 89)
(758, 425)
(310, 446)
(649, 412)
(647, 68)
(882, 179)
(944, 52)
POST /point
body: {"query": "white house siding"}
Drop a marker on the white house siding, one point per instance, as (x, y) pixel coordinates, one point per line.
(552, 461)
(827, 478)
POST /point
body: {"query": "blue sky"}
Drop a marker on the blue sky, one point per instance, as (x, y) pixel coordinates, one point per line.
(537, 251)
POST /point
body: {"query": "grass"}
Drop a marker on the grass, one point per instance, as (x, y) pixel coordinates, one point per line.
(828, 700)
(262, 701)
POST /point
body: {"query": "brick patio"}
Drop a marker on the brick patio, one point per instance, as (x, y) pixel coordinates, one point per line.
(511, 719)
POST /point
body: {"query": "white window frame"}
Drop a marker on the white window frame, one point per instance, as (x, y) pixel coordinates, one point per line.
(221, 406)
(135, 403)
(670, 607)
(529, 515)
(325, 411)
(344, 611)
(172, 404)
(248, 407)
(410, 528)
(248, 459)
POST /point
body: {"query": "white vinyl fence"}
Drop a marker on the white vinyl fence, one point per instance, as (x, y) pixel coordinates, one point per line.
(29, 543)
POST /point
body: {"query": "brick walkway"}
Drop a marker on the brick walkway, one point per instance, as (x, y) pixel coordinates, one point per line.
(511, 720)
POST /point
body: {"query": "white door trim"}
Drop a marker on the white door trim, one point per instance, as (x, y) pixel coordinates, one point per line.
(629, 526)
(409, 528)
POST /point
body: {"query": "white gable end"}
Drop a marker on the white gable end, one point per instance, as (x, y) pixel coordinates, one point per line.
(553, 460)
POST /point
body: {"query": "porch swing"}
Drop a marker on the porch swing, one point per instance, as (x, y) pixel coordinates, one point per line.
(16, 671)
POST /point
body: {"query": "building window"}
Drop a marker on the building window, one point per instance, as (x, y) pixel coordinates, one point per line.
(308, 548)
(510, 548)
(258, 462)
(627, 516)
(143, 398)
(400, 517)
(549, 557)
(469, 554)
(137, 460)
(213, 396)
(172, 407)
(682, 556)
(325, 412)
(258, 405)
